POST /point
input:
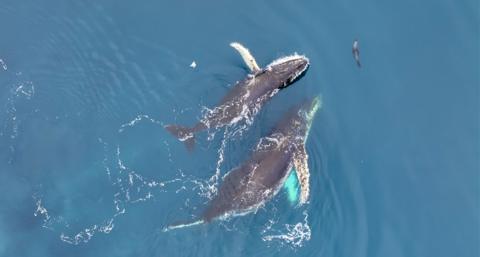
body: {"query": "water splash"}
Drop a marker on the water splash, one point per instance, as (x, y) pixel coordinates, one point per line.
(20, 92)
(136, 120)
(295, 235)
(3, 64)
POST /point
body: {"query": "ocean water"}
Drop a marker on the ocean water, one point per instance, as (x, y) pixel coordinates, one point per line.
(86, 168)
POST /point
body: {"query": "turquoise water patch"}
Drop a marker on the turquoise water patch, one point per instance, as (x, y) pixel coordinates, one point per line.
(291, 186)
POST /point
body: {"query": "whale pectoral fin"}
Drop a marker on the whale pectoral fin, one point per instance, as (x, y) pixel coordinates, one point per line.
(247, 57)
(300, 161)
(178, 225)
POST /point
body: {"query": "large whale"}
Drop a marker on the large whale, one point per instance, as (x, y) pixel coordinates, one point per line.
(246, 98)
(247, 187)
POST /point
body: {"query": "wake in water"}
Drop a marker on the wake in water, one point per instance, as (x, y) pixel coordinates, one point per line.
(20, 91)
(132, 188)
(3, 64)
(294, 235)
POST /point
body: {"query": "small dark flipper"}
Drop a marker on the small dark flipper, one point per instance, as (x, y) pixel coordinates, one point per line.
(183, 134)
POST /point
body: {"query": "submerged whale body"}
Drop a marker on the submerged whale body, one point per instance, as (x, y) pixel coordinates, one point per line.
(247, 97)
(248, 186)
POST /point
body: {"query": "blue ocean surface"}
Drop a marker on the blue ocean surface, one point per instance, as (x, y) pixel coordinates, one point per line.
(87, 168)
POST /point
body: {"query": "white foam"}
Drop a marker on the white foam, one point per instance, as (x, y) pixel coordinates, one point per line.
(287, 58)
(294, 234)
(3, 64)
(132, 188)
(136, 120)
(26, 89)
(41, 211)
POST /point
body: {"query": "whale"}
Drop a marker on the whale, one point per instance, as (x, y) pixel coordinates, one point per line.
(247, 96)
(257, 180)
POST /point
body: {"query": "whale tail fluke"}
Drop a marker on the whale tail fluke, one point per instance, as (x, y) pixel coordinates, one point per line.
(184, 134)
(178, 225)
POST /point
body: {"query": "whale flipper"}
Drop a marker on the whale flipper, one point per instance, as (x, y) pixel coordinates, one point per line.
(300, 161)
(247, 57)
(183, 134)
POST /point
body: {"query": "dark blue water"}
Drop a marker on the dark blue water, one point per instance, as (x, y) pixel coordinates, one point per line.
(86, 168)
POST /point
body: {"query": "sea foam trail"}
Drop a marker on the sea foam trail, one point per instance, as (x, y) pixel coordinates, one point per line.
(131, 188)
(294, 235)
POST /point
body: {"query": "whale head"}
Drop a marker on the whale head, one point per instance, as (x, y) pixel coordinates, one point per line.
(288, 69)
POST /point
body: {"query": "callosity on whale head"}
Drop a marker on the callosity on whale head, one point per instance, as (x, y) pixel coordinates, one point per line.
(288, 69)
